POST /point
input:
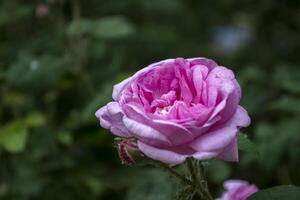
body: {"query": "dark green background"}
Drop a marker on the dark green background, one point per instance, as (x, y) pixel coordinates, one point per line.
(58, 67)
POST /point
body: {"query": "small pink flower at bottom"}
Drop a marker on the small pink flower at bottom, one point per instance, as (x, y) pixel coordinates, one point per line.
(237, 190)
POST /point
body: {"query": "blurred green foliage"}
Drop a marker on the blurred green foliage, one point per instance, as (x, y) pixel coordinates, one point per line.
(60, 58)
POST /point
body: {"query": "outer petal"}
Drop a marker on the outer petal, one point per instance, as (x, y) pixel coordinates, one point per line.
(118, 88)
(175, 133)
(110, 117)
(218, 139)
(204, 155)
(163, 155)
(203, 61)
(145, 133)
(228, 90)
(230, 153)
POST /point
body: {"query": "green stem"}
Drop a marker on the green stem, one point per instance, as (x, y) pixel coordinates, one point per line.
(199, 181)
(192, 169)
(203, 183)
(174, 173)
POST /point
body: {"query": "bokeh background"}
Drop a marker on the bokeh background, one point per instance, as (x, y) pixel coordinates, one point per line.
(60, 58)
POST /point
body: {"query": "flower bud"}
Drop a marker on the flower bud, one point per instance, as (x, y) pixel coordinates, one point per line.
(129, 152)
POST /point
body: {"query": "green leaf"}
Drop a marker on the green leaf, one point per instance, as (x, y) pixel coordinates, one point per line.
(286, 104)
(247, 145)
(34, 120)
(284, 192)
(79, 27)
(13, 137)
(65, 138)
(218, 171)
(113, 27)
(150, 185)
(11, 12)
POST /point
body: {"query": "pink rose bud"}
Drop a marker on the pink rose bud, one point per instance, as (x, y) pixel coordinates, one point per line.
(42, 10)
(129, 152)
(238, 190)
(178, 108)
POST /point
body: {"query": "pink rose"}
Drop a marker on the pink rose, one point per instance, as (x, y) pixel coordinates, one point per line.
(178, 108)
(238, 190)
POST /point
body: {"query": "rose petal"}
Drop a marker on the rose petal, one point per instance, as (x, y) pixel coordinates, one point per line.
(110, 117)
(204, 155)
(233, 184)
(118, 88)
(221, 137)
(175, 133)
(163, 155)
(104, 117)
(145, 133)
(203, 61)
(228, 90)
(230, 153)
(237, 190)
(197, 80)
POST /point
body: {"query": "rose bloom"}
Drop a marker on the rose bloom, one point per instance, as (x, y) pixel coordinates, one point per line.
(178, 108)
(238, 190)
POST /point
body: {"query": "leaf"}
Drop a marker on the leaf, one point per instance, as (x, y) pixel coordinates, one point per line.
(13, 137)
(247, 145)
(288, 192)
(10, 12)
(286, 104)
(79, 27)
(34, 120)
(29, 71)
(149, 185)
(218, 171)
(65, 138)
(113, 27)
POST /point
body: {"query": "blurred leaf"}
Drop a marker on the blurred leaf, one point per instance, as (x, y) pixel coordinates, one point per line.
(112, 27)
(13, 137)
(95, 185)
(34, 120)
(286, 104)
(288, 192)
(88, 113)
(218, 171)
(14, 99)
(246, 145)
(31, 72)
(65, 138)
(3, 189)
(150, 185)
(11, 12)
(288, 78)
(79, 27)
